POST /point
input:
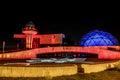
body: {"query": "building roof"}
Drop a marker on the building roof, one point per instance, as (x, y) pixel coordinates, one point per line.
(30, 24)
(98, 38)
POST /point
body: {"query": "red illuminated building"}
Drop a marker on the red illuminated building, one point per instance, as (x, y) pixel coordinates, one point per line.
(31, 39)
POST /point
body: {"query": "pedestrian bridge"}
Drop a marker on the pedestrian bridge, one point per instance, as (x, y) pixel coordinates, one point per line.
(103, 52)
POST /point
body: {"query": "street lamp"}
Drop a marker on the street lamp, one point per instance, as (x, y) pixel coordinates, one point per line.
(3, 46)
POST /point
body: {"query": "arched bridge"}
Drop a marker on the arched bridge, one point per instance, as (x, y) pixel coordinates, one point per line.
(101, 51)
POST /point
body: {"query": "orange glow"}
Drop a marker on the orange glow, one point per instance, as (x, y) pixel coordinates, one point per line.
(50, 38)
(30, 32)
(44, 39)
(102, 52)
(19, 36)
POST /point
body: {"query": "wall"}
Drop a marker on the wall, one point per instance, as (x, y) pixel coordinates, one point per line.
(33, 71)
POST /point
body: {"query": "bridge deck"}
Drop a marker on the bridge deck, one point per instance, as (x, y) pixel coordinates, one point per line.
(101, 51)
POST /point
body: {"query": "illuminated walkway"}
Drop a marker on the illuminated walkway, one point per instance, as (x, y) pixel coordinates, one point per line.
(103, 52)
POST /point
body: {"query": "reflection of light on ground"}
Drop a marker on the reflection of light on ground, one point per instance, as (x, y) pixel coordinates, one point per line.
(56, 60)
(27, 64)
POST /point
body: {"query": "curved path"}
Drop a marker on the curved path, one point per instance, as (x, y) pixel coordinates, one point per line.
(102, 51)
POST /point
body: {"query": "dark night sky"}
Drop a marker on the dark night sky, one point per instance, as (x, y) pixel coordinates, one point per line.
(70, 21)
(75, 26)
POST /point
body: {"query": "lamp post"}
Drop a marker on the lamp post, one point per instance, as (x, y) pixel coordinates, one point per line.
(17, 46)
(3, 46)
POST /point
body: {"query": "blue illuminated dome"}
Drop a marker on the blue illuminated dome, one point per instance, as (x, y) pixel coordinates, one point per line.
(98, 38)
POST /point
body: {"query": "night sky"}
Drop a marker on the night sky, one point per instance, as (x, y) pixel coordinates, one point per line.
(73, 19)
(74, 26)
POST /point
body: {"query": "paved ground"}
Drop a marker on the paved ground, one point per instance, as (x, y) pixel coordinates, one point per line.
(87, 61)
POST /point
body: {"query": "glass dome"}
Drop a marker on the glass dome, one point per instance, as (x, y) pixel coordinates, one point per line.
(98, 38)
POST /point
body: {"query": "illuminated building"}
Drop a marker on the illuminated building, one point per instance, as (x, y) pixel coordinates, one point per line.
(97, 38)
(30, 39)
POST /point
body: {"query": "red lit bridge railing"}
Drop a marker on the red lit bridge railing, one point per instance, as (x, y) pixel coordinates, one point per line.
(102, 51)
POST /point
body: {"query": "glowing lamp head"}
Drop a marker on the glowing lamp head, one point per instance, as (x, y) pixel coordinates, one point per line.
(30, 29)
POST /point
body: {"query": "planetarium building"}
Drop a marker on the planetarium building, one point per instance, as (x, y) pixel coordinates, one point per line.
(98, 38)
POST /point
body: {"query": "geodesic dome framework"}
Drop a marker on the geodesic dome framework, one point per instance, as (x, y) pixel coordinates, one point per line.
(98, 38)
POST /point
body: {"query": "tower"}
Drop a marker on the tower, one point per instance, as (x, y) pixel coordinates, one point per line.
(30, 31)
(28, 36)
